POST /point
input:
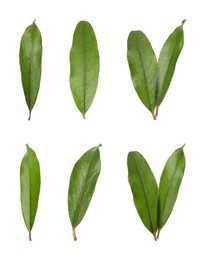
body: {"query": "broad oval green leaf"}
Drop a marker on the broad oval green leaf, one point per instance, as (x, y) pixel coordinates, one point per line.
(169, 185)
(167, 62)
(143, 68)
(84, 66)
(30, 57)
(30, 182)
(82, 185)
(144, 189)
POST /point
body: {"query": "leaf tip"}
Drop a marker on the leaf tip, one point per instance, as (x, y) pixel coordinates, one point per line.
(27, 146)
(100, 145)
(34, 22)
(183, 22)
(183, 146)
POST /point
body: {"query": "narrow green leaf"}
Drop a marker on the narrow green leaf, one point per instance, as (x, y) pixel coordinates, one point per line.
(143, 68)
(169, 185)
(30, 182)
(30, 57)
(167, 62)
(82, 185)
(144, 189)
(84, 66)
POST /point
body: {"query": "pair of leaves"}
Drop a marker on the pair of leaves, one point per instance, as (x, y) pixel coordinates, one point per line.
(151, 79)
(30, 182)
(84, 66)
(154, 205)
(82, 185)
(30, 57)
(81, 188)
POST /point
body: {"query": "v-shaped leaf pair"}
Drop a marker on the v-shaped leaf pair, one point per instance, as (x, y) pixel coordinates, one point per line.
(151, 79)
(155, 206)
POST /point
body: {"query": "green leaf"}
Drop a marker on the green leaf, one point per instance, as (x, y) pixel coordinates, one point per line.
(82, 185)
(30, 57)
(84, 66)
(143, 68)
(144, 189)
(167, 62)
(30, 182)
(169, 185)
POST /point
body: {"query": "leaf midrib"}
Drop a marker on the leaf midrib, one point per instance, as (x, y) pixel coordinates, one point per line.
(29, 191)
(30, 67)
(84, 57)
(170, 183)
(144, 74)
(168, 66)
(81, 196)
(146, 196)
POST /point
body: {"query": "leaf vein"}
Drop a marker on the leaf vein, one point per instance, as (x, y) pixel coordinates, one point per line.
(170, 183)
(81, 196)
(146, 81)
(84, 57)
(167, 68)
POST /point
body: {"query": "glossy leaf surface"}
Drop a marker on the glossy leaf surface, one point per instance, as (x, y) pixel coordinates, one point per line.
(30, 57)
(144, 189)
(30, 187)
(82, 185)
(151, 79)
(84, 66)
(167, 62)
(169, 184)
(143, 67)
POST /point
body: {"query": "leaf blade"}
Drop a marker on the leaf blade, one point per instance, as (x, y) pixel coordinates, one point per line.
(167, 62)
(84, 66)
(30, 182)
(143, 67)
(144, 189)
(82, 184)
(30, 58)
(170, 182)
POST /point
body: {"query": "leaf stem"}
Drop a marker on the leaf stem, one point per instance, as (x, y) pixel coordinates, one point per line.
(29, 115)
(158, 233)
(153, 115)
(30, 235)
(156, 112)
(74, 234)
(84, 117)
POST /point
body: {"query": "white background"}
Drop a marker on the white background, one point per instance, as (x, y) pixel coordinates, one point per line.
(111, 228)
